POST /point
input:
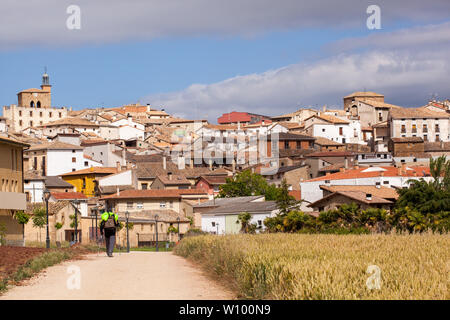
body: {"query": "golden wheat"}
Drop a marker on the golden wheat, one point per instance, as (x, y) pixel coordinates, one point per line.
(302, 266)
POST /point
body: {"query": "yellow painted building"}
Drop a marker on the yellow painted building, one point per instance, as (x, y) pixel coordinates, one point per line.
(86, 180)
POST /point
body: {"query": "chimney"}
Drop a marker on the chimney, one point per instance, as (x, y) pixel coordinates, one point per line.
(368, 197)
(346, 163)
(118, 166)
(262, 122)
(164, 163)
(324, 108)
(191, 163)
(169, 174)
(148, 107)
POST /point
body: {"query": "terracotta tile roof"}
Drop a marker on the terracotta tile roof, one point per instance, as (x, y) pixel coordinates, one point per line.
(92, 170)
(369, 172)
(408, 113)
(57, 145)
(291, 125)
(364, 94)
(154, 169)
(326, 142)
(214, 181)
(378, 104)
(71, 122)
(321, 154)
(155, 193)
(223, 127)
(14, 141)
(332, 167)
(383, 124)
(68, 195)
(353, 195)
(53, 207)
(175, 180)
(382, 192)
(330, 118)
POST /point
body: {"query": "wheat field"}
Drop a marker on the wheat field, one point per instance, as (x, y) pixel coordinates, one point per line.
(323, 266)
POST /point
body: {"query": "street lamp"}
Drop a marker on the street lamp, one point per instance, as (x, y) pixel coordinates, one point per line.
(178, 221)
(127, 216)
(46, 197)
(96, 232)
(76, 202)
(156, 224)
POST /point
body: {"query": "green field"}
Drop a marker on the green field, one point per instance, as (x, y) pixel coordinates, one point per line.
(321, 266)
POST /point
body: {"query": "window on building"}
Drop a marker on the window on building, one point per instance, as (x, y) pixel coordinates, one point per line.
(50, 114)
(213, 224)
(140, 205)
(380, 116)
(60, 115)
(386, 182)
(86, 163)
(403, 128)
(425, 128)
(73, 169)
(162, 204)
(31, 123)
(437, 138)
(323, 130)
(40, 114)
(40, 122)
(144, 186)
(20, 113)
(299, 144)
(414, 128)
(425, 137)
(32, 104)
(286, 144)
(129, 205)
(84, 182)
(74, 159)
(171, 204)
(20, 122)
(341, 131)
(436, 128)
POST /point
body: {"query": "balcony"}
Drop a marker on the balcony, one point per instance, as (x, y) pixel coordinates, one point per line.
(13, 201)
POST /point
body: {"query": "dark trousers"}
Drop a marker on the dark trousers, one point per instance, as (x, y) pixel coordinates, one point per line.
(110, 238)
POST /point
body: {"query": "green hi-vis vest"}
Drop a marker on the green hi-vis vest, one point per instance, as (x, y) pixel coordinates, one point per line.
(106, 216)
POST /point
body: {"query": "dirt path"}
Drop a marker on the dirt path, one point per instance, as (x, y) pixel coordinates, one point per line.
(136, 275)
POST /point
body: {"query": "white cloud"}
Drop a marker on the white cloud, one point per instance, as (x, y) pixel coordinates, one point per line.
(43, 22)
(406, 75)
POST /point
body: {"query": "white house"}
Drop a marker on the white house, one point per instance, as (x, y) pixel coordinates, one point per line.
(223, 218)
(333, 128)
(56, 158)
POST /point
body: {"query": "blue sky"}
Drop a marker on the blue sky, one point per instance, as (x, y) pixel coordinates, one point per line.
(209, 71)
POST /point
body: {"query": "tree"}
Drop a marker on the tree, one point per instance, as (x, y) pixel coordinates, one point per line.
(22, 218)
(243, 184)
(244, 219)
(2, 233)
(39, 219)
(286, 202)
(426, 204)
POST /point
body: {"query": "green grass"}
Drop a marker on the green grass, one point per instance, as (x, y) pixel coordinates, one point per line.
(35, 265)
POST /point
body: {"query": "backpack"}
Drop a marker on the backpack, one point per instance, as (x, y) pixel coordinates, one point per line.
(110, 223)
